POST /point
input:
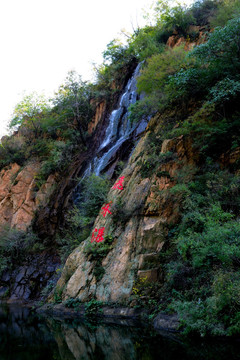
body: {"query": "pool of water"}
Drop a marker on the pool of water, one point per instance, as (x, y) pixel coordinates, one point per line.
(26, 336)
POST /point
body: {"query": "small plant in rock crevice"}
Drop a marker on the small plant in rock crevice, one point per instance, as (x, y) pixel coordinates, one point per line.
(57, 295)
(92, 308)
(97, 252)
(72, 303)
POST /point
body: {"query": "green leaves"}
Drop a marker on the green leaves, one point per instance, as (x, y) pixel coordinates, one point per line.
(115, 52)
(159, 67)
(173, 17)
(93, 194)
(217, 243)
(226, 10)
(214, 67)
(222, 47)
(153, 82)
(28, 110)
(224, 91)
(147, 41)
(51, 129)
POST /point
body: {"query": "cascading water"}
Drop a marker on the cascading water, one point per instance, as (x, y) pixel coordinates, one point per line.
(118, 131)
(120, 127)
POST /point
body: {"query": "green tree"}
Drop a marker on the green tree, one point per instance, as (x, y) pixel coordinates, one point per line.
(215, 60)
(29, 113)
(153, 80)
(204, 11)
(173, 17)
(72, 102)
(226, 10)
(146, 42)
(115, 51)
(159, 67)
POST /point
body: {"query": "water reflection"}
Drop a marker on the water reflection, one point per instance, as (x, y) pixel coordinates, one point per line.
(24, 336)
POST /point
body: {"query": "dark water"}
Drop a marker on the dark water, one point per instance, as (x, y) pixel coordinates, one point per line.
(25, 336)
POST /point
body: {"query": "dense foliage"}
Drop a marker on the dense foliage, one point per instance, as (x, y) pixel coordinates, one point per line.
(16, 246)
(50, 130)
(92, 193)
(197, 91)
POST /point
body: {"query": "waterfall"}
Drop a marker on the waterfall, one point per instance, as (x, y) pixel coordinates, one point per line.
(118, 131)
(119, 127)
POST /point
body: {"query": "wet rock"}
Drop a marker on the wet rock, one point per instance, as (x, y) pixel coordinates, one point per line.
(166, 322)
(122, 312)
(6, 276)
(30, 270)
(3, 291)
(18, 292)
(20, 275)
(26, 282)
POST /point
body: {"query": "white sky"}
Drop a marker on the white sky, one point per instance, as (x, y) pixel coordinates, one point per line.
(41, 40)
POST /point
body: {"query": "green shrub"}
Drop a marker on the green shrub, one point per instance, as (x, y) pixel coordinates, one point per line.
(224, 91)
(173, 17)
(203, 11)
(72, 303)
(57, 295)
(158, 68)
(145, 108)
(217, 314)
(147, 41)
(15, 246)
(92, 308)
(202, 276)
(153, 79)
(216, 244)
(226, 10)
(75, 231)
(215, 60)
(93, 195)
(12, 149)
(145, 294)
(97, 252)
(149, 165)
(80, 218)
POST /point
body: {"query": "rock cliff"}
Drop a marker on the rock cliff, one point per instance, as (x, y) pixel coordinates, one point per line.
(20, 195)
(138, 220)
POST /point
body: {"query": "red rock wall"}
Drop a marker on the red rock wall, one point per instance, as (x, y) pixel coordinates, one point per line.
(20, 196)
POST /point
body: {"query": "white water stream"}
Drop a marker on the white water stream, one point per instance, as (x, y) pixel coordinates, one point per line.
(119, 127)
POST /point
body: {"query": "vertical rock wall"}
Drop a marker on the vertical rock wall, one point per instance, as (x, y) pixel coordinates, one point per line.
(141, 214)
(20, 196)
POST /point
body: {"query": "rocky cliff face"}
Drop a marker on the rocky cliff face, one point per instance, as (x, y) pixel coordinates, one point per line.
(20, 196)
(200, 32)
(23, 198)
(138, 222)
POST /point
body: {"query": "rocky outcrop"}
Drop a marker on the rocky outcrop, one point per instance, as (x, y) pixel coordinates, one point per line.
(196, 35)
(230, 158)
(20, 195)
(138, 224)
(26, 282)
(100, 112)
